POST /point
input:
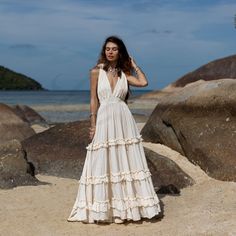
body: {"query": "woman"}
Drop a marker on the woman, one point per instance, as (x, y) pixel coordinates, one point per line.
(116, 183)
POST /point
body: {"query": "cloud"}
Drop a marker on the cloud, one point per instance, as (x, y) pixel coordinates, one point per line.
(154, 31)
(161, 34)
(22, 46)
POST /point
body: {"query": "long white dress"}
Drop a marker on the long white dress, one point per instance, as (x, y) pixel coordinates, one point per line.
(115, 181)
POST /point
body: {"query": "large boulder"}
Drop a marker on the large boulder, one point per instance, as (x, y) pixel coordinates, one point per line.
(29, 115)
(199, 121)
(12, 126)
(166, 172)
(15, 170)
(214, 70)
(61, 151)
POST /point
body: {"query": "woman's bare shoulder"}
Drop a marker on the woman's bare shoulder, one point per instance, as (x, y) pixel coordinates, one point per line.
(95, 70)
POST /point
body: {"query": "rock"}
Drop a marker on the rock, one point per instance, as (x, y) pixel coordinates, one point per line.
(168, 189)
(35, 120)
(214, 70)
(29, 115)
(12, 126)
(167, 176)
(61, 151)
(14, 168)
(199, 121)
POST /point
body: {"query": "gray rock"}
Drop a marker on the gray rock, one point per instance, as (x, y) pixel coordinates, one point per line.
(166, 172)
(214, 70)
(61, 151)
(199, 121)
(12, 126)
(14, 168)
(29, 115)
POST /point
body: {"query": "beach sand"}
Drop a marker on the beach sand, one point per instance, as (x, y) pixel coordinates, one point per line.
(207, 208)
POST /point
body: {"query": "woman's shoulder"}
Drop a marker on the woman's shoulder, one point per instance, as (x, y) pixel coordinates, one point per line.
(96, 68)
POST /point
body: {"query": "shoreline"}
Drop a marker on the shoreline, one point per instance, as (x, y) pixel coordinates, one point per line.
(145, 105)
(54, 114)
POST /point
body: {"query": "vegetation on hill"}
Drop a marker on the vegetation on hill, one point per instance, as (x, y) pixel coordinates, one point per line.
(10, 80)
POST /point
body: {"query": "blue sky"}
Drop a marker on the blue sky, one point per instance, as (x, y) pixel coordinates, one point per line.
(57, 42)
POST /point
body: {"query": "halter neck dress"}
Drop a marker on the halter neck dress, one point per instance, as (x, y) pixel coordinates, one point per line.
(115, 181)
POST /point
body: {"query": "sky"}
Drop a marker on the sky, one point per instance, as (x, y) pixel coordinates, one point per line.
(57, 42)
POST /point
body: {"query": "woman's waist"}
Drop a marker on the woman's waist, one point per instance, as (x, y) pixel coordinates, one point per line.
(111, 100)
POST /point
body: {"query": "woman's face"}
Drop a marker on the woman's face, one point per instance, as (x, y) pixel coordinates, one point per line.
(111, 52)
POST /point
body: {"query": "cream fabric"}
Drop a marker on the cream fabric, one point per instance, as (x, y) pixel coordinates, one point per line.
(115, 181)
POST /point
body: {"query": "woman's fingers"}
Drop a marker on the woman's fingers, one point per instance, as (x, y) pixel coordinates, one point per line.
(91, 136)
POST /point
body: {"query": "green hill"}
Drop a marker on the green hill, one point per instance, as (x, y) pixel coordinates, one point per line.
(10, 80)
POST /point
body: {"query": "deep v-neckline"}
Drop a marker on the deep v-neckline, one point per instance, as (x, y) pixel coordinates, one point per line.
(112, 92)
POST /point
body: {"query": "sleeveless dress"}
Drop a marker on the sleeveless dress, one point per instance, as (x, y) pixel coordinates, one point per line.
(115, 181)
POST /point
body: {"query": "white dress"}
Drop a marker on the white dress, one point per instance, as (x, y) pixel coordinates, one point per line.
(115, 181)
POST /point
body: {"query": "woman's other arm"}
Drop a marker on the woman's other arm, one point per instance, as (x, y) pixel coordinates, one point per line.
(94, 103)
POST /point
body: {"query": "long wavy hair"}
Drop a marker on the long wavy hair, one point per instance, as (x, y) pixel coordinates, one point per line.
(123, 63)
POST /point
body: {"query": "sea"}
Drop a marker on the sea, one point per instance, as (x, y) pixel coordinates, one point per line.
(56, 106)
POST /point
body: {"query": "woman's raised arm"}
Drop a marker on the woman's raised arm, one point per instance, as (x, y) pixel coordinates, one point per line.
(140, 79)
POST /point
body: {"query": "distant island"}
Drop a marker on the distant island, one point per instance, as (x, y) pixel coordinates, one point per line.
(10, 80)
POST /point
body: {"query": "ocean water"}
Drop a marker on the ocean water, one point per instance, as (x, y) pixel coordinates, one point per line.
(56, 106)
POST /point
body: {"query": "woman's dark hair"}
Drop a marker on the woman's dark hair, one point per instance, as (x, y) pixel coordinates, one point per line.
(123, 63)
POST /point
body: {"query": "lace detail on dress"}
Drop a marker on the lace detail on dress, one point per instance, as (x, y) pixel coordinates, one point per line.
(116, 178)
(119, 204)
(112, 142)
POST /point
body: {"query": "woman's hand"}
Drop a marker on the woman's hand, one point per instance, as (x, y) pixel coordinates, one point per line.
(92, 132)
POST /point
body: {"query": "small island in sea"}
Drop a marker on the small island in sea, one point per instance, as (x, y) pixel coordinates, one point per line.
(11, 80)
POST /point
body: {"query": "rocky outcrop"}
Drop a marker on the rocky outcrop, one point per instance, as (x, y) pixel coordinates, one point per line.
(166, 172)
(12, 126)
(61, 151)
(29, 115)
(214, 70)
(199, 121)
(15, 170)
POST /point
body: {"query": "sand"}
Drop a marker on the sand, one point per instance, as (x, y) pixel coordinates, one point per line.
(207, 208)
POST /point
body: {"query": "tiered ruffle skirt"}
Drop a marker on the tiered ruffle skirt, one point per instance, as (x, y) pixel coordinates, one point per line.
(115, 181)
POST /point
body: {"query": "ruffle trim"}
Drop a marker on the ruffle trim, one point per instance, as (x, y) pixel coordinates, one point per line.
(114, 142)
(116, 178)
(118, 204)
